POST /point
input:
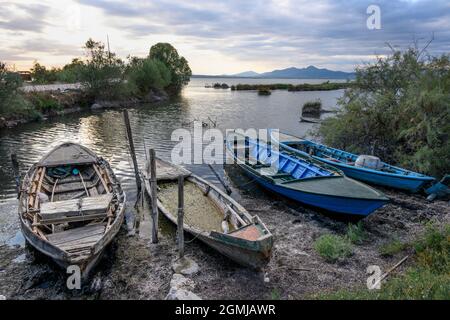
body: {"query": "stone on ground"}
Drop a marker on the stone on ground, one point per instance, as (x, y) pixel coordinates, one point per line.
(186, 266)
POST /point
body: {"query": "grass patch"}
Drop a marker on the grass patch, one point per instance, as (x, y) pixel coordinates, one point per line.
(391, 248)
(356, 233)
(333, 247)
(428, 279)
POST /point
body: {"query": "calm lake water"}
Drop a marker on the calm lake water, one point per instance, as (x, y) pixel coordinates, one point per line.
(152, 125)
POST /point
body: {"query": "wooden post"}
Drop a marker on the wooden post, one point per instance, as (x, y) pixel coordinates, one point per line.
(257, 150)
(15, 165)
(154, 196)
(235, 146)
(133, 153)
(246, 150)
(180, 215)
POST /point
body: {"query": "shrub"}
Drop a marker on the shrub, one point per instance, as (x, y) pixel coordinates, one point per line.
(433, 249)
(333, 247)
(102, 73)
(180, 72)
(356, 233)
(145, 74)
(312, 108)
(391, 248)
(398, 109)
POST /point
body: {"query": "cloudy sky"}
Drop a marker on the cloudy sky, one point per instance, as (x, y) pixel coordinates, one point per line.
(218, 37)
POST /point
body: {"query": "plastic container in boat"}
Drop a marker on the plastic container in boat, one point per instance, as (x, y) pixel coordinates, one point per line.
(366, 161)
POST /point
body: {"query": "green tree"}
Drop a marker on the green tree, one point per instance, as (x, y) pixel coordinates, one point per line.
(11, 101)
(399, 110)
(102, 72)
(178, 66)
(71, 72)
(146, 74)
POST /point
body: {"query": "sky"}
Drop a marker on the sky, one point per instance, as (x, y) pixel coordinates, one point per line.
(222, 37)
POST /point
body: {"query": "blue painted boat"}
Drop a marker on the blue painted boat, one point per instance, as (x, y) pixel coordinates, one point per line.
(302, 178)
(387, 175)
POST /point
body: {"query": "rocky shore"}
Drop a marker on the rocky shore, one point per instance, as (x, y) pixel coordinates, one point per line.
(133, 268)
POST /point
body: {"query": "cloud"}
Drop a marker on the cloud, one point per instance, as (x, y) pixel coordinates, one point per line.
(267, 33)
(23, 17)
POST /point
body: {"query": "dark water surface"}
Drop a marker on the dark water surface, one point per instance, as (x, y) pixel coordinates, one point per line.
(152, 125)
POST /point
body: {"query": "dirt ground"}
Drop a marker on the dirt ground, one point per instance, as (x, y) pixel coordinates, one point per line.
(132, 268)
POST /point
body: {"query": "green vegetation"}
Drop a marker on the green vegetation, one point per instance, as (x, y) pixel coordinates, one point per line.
(398, 109)
(393, 247)
(12, 103)
(103, 76)
(180, 72)
(290, 87)
(264, 92)
(312, 108)
(220, 86)
(429, 278)
(145, 74)
(333, 247)
(356, 233)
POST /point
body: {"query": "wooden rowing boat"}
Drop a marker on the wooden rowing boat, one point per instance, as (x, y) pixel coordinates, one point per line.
(302, 178)
(386, 175)
(71, 205)
(212, 216)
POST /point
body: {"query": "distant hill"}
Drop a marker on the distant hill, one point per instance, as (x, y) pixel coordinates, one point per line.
(310, 72)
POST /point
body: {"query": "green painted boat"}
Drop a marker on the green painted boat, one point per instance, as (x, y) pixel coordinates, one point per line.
(211, 216)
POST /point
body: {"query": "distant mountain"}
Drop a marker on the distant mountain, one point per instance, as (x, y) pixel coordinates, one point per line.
(310, 72)
(246, 74)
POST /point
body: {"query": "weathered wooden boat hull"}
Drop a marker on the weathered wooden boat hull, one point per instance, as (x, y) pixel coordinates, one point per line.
(61, 257)
(250, 253)
(402, 179)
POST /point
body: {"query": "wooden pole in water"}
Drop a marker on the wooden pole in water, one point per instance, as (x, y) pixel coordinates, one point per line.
(15, 165)
(154, 195)
(235, 147)
(180, 215)
(133, 153)
(246, 150)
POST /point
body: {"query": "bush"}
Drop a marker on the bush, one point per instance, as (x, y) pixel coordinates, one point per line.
(102, 73)
(145, 74)
(180, 72)
(333, 247)
(398, 109)
(433, 249)
(356, 233)
(312, 109)
(391, 248)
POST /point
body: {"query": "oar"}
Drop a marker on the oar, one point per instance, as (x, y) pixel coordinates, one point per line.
(227, 188)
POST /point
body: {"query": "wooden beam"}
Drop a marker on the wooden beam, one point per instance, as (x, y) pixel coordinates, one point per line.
(180, 216)
(154, 195)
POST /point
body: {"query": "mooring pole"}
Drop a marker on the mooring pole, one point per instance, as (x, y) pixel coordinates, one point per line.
(154, 196)
(257, 150)
(180, 215)
(246, 150)
(133, 153)
(235, 148)
(15, 165)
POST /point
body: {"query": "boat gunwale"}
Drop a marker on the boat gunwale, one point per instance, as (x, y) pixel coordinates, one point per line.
(58, 253)
(415, 175)
(379, 194)
(196, 180)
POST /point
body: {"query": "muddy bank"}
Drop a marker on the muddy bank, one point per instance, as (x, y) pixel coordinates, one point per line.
(132, 268)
